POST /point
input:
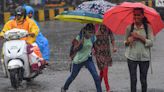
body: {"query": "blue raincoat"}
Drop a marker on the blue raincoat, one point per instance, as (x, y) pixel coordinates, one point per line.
(41, 40)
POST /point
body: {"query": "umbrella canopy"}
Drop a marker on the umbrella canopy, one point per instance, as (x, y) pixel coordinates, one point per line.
(79, 16)
(119, 17)
(97, 6)
(87, 12)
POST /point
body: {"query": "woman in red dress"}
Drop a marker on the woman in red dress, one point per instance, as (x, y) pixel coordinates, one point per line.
(102, 52)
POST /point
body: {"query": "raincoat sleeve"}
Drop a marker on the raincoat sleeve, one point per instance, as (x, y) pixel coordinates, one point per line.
(149, 40)
(33, 28)
(6, 27)
(37, 24)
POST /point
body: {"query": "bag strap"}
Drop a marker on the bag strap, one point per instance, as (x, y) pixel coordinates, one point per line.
(93, 39)
(146, 29)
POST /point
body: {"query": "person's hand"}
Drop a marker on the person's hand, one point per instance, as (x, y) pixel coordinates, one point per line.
(110, 64)
(135, 35)
(93, 52)
(130, 41)
(81, 41)
(31, 34)
(1, 37)
(114, 49)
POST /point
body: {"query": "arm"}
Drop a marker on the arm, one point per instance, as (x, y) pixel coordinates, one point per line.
(114, 49)
(78, 43)
(128, 38)
(6, 27)
(34, 29)
(1, 38)
(149, 41)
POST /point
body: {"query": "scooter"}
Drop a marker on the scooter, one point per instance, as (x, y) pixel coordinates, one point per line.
(16, 63)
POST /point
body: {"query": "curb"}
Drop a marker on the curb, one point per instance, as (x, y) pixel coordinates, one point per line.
(49, 14)
(40, 14)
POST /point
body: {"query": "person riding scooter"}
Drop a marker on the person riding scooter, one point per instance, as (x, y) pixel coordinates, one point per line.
(41, 40)
(22, 22)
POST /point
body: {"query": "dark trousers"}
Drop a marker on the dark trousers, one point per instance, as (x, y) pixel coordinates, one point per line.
(91, 67)
(143, 67)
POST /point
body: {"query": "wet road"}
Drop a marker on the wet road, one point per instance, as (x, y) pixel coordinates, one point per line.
(59, 35)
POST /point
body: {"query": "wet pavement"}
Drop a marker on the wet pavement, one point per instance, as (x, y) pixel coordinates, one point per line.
(60, 35)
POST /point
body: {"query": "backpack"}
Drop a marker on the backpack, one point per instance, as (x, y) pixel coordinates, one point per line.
(78, 46)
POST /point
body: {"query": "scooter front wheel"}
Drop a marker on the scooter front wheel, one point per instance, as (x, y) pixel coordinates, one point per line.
(15, 77)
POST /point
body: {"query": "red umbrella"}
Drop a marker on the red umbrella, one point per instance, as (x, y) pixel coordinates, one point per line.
(119, 17)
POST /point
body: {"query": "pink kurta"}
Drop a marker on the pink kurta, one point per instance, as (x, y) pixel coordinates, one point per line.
(102, 48)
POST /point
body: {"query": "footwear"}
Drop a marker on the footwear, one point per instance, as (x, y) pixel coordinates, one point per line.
(63, 90)
(35, 67)
(46, 63)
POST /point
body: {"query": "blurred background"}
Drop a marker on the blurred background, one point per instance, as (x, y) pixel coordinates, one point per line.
(9, 5)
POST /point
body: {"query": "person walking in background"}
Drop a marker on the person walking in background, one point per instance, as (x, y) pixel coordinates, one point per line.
(83, 57)
(138, 41)
(102, 52)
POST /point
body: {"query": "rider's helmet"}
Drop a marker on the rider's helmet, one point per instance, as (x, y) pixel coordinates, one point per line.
(29, 11)
(20, 12)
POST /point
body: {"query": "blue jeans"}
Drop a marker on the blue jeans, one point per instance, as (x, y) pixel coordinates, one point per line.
(91, 67)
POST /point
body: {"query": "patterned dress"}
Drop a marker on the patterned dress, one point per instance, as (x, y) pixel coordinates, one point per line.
(102, 48)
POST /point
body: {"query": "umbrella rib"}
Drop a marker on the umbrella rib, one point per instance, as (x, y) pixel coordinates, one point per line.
(120, 11)
(122, 20)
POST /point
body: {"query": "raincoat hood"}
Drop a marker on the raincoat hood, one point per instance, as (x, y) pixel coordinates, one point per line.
(29, 9)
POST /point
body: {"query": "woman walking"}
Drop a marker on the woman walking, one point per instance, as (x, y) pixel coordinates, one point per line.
(102, 52)
(138, 41)
(83, 57)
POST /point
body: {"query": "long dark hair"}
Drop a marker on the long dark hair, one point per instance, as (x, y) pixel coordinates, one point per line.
(145, 21)
(90, 27)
